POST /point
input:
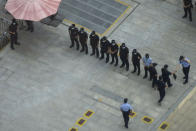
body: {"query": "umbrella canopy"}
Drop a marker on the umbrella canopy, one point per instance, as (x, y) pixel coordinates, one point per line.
(33, 10)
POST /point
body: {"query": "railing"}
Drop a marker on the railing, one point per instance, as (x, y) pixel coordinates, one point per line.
(4, 35)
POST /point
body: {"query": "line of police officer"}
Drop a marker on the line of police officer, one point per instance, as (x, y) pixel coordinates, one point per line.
(111, 48)
(106, 48)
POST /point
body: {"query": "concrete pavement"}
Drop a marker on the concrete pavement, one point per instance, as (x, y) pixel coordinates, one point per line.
(46, 86)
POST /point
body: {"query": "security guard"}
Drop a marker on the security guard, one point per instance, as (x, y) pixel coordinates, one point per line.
(73, 32)
(114, 52)
(153, 74)
(13, 34)
(185, 62)
(94, 41)
(161, 88)
(136, 61)
(83, 37)
(104, 48)
(166, 74)
(126, 109)
(124, 56)
(187, 8)
(147, 61)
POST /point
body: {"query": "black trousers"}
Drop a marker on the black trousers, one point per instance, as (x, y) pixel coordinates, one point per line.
(84, 46)
(136, 66)
(116, 58)
(188, 11)
(154, 81)
(14, 39)
(30, 26)
(146, 69)
(125, 61)
(107, 55)
(167, 80)
(186, 73)
(162, 95)
(126, 117)
(95, 50)
(73, 41)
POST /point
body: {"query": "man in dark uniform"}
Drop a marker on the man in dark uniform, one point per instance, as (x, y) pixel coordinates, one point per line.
(124, 56)
(153, 74)
(94, 41)
(13, 34)
(165, 75)
(187, 8)
(114, 52)
(29, 25)
(136, 61)
(161, 88)
(185, 62)
(83, 37)
(104, 43)
(73, 32)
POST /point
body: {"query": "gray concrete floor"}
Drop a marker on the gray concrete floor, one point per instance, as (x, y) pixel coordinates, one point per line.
(46, 86)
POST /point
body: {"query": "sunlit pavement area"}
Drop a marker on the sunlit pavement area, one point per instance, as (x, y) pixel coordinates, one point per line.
(46, 86)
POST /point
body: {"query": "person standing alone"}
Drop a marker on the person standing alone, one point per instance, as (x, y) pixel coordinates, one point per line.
(126, 109)
(187, 9)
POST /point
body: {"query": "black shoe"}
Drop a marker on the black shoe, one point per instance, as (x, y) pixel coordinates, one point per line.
(17, 43)
(138, 74)
(185, 82)
(101, 58)
(81, 50)
(86, 53)
(150, 79)
(159, 103)
(184, 77)
(126, 126)
(127, 69)
(116, 64)
(77, 48)
(12, 48)
(112, 62)
(144, 77)
(71, 46)
(184, 16)
(190, 20)
(170, 85)
(133, 72)
(106, 61)
(121, 66)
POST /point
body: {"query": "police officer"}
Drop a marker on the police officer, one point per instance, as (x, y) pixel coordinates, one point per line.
(104, 48)
(161, 88)
(83, 37)
(114, 52)
(94, 42)
(166, 74)
(136, 61)
(147, 61)
(124, 56)
(126, 109)
(153, 74)
(187, 8)
(185, 62)
(13, 34)
(73, 32)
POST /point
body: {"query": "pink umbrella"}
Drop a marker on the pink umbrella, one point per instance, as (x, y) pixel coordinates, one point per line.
(33, 10)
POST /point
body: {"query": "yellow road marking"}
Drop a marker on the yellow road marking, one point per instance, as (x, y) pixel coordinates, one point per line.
(73, 129)
(164, 126)
(147, 120)
(80, 122)
(132, 114)
(88, 114)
